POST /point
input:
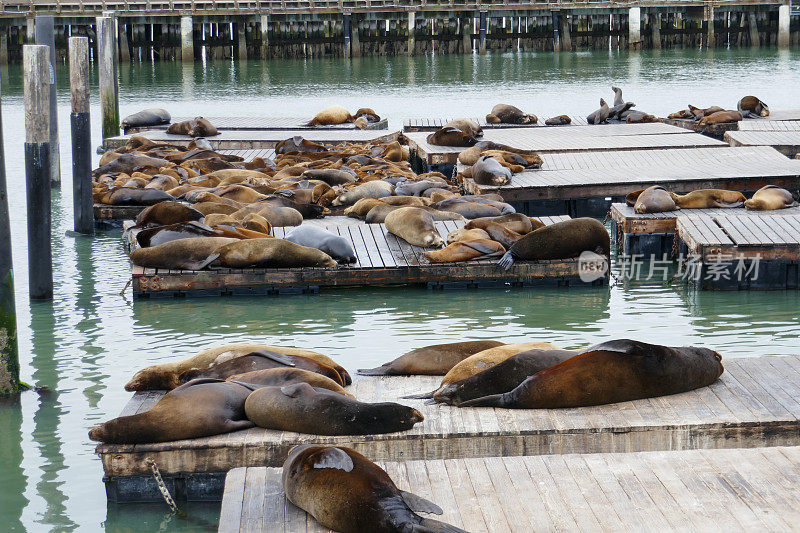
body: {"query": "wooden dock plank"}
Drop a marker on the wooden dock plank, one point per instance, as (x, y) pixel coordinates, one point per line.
(786, 142)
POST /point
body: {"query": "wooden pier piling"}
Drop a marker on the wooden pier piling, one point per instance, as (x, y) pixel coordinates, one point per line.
(45, 36)
(81, 135)
(36, 76)
(108, 67)
(482, 25)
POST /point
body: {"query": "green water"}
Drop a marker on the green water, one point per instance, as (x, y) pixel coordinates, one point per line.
(86, 343)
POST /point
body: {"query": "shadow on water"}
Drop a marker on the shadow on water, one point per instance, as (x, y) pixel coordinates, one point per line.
(12, 478)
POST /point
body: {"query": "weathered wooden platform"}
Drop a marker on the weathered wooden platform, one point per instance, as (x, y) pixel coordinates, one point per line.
(383, 260)
(786, 142)
(262, 123)
(696, 490)
(780, 120)
(756, 402)
(743, 252)
(433, 124)
(250, 139)
(770, 125)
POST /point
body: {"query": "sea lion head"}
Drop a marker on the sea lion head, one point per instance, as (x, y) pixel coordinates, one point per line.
(152, 378)
(434, 240)
(492, 119)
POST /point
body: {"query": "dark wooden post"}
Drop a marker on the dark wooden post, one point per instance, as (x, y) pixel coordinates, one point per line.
(36, 77)
(45, 35)
(81, 135)
(482, 23)
(109, 84)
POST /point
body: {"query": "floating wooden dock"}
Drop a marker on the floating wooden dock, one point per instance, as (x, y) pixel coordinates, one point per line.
(786, 142)
(433, 124)
(383, 260)
(780, 120)
(695, 490)
(653, 234)
(262, 123)
(755, 403)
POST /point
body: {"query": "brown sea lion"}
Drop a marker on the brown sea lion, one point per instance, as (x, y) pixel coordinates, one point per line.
(378, 214)
(167, 212)
(278, 377)
(560, 120)
(261, 360)
(197, 127)
(256, 222)
(462, 234)
(437, 195)
(508, 114)
(217, 219)
(707, 198)
(501, 234)
(654, 199)
(720, 117)
(129, 163)
(640, 117)
(330, 116)
(488, 171)
(561, 240)
(331, 176)
(240, 193)
(276, 216)
(599, 116)
(516, 222)
(316, 411)
(165, 375)
(752, 107)
(371, 189)
(416, 201)
(210, 208)
(132, 196)
(469, 210)
(698, 112)
(199, 408)
(468, 126)
(267, 253)
(770, 197)
(396, 152)
(611, 372)
(683, 114)
(362, 207)
(361, 123)
(465, 251)
(433, 360)
(415, 226)
(451, 137)
(171, 232)
(368, 113)
(162, 181)
(182, 254)
(347, 492)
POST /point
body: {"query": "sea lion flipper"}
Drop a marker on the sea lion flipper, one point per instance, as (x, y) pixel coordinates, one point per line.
(277, 357)
(198, 381)
(382, 370)
(434, 526)
(294, 390)
(717, 203)
(423, 396)
(506, 261)
(210, 259)
(333, 458)
(418, 504)
(251, 386)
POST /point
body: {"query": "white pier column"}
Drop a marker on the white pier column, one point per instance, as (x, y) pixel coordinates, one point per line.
(187, 39)
(783, 26)
(634, 25)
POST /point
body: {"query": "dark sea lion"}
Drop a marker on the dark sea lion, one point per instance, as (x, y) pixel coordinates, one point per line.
(619, 110)
(508, 114)
(371, 189)
(720, 117)
(599, 116)
(560, 120)
(488, 171)
(639, 117)
(132, 196)
(331, 176)
(752, 107)
(611, 372)
(501, 377)
(330, 116)
(130, 163)
(654, 199)
(182, 254)
(468, 126)
(345, 491)
(167, 212)
(561, 240)
(465, 251)
(278, 377)
(298, 144)
(770, 197)
(433, 360)
(165, 375)
(261, 360)
(451, 137)
(368, 113)
(707, 198)
(172, 232)
(147, 117)
(516, 222)
(334, 245)
(267, 253)
(415, 226)
(306, 409)
(306, 210)
(199, 408)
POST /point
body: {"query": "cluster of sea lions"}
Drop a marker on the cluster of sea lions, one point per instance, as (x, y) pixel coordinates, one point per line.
(492, 163)
(337, 114)
(196, 127)
(657, 199)
(747, 107)
(621, 111)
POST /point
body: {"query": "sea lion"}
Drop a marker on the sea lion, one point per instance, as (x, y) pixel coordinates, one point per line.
(682, 114)
(516, 222)
(306, 210)
(611, 372)
(698, 112)
(752, 107)
(181, 254)
(508, 114)
(210, 208)
(599, 116)
(371, 189)
(501, 377)
(707, 198)
(218, 219)
(415, 226)
(560, 120)
(240, 193)
(361, 123)
(129, 163)
(330, 116)
(451, 137)
(501, 206)
(298, 144)
(617, 96)
(316, 411)
(654, 199)
(331, 176)
(147, 117)
(462, 234)
(770, 197)
(172, 232)
(640, 117)
(261, 360)
(165, 375)
(165, 213)
(720, 117)
(395, 152)
(362, 207)
(347, 492)
(335, 246)
(470, 127)
(256, 222)
(469, 210)
(501, 234)
(488, 171)
(368, 113)
(162, 181)
(416, 201)
(197, 127)
(465, 251)
(417, 188)
(561, 240)
(133, 196)
(278, 377)
(276, 216)
(433, 360)
(199, 408)
(618, 111)
(267, 253)
(378, 214)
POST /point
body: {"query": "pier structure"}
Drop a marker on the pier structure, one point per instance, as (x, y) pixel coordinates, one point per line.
(174, 30)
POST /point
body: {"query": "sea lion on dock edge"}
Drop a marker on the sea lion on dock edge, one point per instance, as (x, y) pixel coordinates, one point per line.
(451, 137)
(165, 375)
(720, 117)
(560, 120)
(470, 127)
(330, 116)
(199, 408)
(433, 360)
(639, 117)
(267, 253)
(165, 213)
(279, 377)
(469, 210)
(465, 251)
(508, 114)
(654, 199)
(415, 226)
(562, 240)
(347, 492)
(599, 116)
(181, 254)
(172, 232)
(770, 197)
(129, 163)
(611, 372)
(306, 409)
(134, 196)
(752, 107)
(335, 246)
(488, 171)
(197, 127)
(708, 198)
(147, 117)
(516, 222)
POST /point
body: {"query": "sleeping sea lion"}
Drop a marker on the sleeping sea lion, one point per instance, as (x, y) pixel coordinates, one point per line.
(560, 120)
(330, 116)
(752, 107)
(707, 198)
(470, 127)
(720, 117)
(654, 199)
(368, 113)
(166, 212)
(197, 127)
(508, 114)
(133, 196)
(278, 377)
(770, 197)
(165, 375)
(371, 189)
(462, 234)
(335, 246)
(181, 254)
(276, 216)
(147, 117)
(639, 117)
(488, 171)
(417, 188)
(129, 163)
(561, 240)
(298, 144)
(415, 226)
(267, 253)
(468, 210)
(210, 208)
(501, 234)
(516, 222)
(451, 137)
(199, 408)
(331, 176)
(172, 232)
(316, 411)
(465, 251)
(378, 214)
(433, 360)
(682, 114)
(347, 492)
(599, 116)
(362, 207)
(698, 112)
(416, 201)
(162, 181)
(256, 222)
(611, 372)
